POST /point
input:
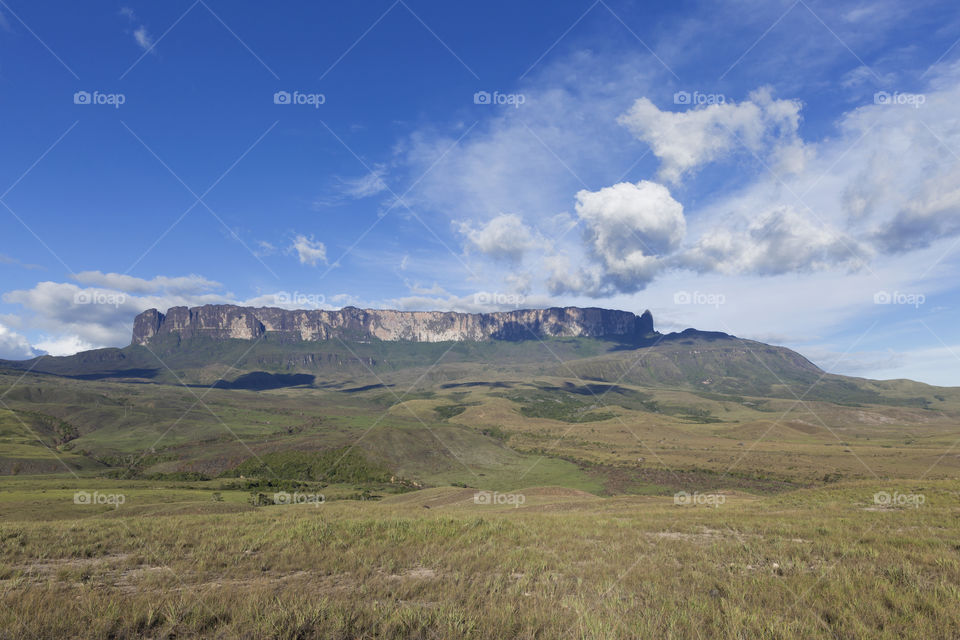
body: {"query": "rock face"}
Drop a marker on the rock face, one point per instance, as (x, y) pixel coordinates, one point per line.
(248, 323)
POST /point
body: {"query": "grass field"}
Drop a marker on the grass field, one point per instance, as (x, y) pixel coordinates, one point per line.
(555, 562)
(689, 491)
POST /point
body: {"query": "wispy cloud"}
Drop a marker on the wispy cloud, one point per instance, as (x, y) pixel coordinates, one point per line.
(143, 38)
(140, 35)
(5, 259)
(365, 186)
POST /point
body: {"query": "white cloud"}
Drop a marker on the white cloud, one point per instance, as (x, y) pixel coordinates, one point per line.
(529, 160)
(143, 38)
(64, 345)
(14, 346)
(563, 277)
(191, 284)
(417, 289)
(479, 302)
(101, 314)
(776, 242)
(625, 218)
(365, 186)
(685, 140)
(73, 318)
(629, 228)
(505, 236)
(886, 184)
(264, 248)
(932, 213)
(5, 259)
(308, 250)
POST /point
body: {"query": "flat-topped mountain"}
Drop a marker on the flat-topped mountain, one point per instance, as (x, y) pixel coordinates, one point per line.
(234, 347)
(225, 322)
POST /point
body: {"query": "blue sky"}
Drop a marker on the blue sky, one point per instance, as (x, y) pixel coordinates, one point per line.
(784, 171)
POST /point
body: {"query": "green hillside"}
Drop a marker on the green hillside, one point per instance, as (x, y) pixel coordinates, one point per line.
(599, 415)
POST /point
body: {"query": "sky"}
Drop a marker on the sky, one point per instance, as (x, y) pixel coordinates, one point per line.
(782, 171)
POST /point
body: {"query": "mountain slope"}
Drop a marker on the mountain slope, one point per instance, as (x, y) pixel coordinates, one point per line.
(616, 412)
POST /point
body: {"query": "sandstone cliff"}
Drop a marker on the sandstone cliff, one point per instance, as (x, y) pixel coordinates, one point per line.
(248, 323)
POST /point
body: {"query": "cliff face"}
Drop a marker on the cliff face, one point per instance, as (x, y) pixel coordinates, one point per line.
(248, 323)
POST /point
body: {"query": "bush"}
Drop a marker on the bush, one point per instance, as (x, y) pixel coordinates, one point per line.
(343, 465)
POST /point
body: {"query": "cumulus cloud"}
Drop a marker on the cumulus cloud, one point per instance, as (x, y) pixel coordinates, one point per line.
(308, 250)
(625, 218)
(685, 140)
(14, 346)
(505, 236)
(886, 184)
(628, 229)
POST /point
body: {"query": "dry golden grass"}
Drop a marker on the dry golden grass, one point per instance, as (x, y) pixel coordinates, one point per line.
(818, 563)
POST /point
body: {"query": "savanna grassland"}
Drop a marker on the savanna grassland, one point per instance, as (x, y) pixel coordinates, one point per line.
(172, 562)
(700, 488)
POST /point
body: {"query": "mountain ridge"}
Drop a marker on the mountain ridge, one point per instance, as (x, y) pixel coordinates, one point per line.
(249, 323)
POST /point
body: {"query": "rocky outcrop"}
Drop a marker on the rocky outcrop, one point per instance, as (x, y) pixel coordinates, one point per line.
(223, 322)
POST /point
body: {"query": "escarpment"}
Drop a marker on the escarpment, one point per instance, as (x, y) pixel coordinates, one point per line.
(223, 322)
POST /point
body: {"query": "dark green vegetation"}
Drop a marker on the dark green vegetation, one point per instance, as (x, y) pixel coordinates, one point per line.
(597, 436)
(333, 465)
(561, 407)
(481, 414)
